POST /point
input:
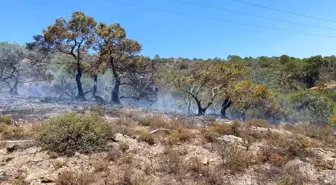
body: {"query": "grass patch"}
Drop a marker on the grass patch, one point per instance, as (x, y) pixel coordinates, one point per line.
(146, 137)
(74, 178)
(6, 119)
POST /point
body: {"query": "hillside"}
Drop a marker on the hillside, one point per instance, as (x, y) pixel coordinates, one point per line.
(149, 147)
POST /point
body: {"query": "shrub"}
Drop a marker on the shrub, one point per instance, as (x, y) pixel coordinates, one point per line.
(72, 133)
(74, 178)
(98, 110)
(159, 122)
(235, 159)
(145, 120)
(179, 135)
(123, 126)
(172, 162)
(333, 121)
(174, 138)
(123, 146)
(12, 132)
(100, 165)
(290, 146)
(126, 159)
(6, 119)
(146, 137)
(195, 166)
(217, 129)
(113, 155)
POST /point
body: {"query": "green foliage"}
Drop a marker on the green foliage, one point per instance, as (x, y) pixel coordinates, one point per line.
(311, 106)
(72, 133)
(254, 101)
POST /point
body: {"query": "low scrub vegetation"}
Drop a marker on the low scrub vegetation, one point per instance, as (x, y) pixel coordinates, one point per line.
(6, 119)
(74, 178)
(146, 137)
(70, 133)
(11, 132)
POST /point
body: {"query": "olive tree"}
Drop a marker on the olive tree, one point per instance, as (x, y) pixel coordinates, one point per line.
(74, 37)
(18, 66)
(118, 55)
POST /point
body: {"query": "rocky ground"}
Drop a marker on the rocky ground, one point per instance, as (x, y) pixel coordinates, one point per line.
(152, 148)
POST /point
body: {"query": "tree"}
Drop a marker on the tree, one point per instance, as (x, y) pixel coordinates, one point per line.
(257, 100)
(18, 65)
(74, 37)
(118, 54)
(313, 106)
(206, 83)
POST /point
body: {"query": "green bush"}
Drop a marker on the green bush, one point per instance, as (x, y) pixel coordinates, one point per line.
(70, 133)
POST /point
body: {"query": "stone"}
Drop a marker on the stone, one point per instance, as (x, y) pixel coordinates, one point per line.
(205, 161)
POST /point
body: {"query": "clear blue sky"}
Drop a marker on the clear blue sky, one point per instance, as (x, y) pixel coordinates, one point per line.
(171, 35)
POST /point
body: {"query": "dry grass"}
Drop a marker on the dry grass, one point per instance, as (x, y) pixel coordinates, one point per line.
(126, 159)
(125, 176)
(20, 179)
(218, 129)
(178, 136)
(74, 178)
(98, 110)
(113, 155)
(146, 137)
(281, 148)
(233, 158)
(123, 146)
(100, 165)
(13, 132)
(259, 123)
(58, 163)
(159, 122)
(324, 134)
(6, 119)
(171, 162)
(123, 126)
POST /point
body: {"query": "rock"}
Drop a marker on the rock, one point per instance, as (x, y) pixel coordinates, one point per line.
(32, 150)
(302, 169)
(48, 178)
(114, 145)
(6, 160)
(230, 139)
(132, 143)
(205, 161)
(40, 157)
(325, 157)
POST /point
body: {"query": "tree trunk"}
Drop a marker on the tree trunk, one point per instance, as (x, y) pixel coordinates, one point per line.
(115, 92)
(14, 89)
(226, 104)
(80, 95)
(201, 110)
(95, 81)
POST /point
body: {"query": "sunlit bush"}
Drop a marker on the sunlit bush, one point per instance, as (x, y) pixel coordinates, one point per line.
(70, 133)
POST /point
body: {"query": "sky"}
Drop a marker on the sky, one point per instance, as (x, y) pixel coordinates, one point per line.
(160, 27)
